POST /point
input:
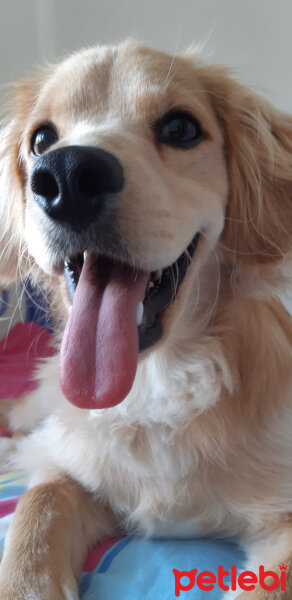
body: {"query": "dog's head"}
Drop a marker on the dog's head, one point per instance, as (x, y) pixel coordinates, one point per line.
(122, 169)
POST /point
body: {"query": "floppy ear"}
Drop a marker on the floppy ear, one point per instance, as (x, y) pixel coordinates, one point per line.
(258, 145)
(14, 260)
(10, 207)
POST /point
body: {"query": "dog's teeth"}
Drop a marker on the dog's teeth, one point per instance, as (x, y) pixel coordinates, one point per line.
(151, 285)
(157, 275)
(139, 313)
(85, 254)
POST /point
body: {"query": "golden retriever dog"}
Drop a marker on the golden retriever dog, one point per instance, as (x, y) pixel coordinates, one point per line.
(152, 196)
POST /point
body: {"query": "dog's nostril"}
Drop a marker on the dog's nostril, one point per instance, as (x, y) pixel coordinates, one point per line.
(89, 183)
(44, 184)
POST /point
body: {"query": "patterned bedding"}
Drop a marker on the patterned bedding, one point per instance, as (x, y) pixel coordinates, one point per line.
(131, 568)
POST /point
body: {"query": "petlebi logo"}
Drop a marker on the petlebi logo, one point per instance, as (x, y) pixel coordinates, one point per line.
(229, 580)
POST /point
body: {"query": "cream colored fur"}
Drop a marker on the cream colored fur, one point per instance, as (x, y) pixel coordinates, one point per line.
(203, 442)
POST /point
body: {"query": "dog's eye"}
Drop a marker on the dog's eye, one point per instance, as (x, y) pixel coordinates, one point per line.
(43, 137)
(178, 129)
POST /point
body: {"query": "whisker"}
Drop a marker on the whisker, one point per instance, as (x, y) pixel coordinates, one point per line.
(169, 74)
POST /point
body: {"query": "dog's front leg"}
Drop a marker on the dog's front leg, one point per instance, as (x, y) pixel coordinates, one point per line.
(47, 541)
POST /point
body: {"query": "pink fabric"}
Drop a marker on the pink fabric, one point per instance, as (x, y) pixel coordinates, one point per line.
(4, 432)
(20, 350)
(97, 552)
(7, 506)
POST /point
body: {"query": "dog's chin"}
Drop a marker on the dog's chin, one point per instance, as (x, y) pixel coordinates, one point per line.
(161, 290)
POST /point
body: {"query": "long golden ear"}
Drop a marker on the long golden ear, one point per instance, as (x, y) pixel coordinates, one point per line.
(258, 143)
(10, 207)
(14, 261)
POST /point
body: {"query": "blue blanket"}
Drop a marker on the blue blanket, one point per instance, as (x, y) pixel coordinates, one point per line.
(133, 568)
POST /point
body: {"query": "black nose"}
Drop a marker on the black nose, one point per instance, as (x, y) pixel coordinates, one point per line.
(74, 183)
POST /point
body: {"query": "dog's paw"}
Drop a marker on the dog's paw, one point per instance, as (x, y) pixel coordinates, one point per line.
(52, 591)
(64, 594)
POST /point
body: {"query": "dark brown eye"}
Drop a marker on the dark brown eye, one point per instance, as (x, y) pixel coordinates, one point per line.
(178, 129)
(43, 137)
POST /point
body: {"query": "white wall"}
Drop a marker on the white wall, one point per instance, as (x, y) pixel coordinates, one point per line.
(252, 36)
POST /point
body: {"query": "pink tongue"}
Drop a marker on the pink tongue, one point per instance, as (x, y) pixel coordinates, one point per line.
(99, 351)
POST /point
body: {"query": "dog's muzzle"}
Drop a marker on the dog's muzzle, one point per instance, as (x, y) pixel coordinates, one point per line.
(73, 184)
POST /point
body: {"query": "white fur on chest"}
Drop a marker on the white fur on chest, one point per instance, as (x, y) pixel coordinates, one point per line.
(142, 456)
(133, 454)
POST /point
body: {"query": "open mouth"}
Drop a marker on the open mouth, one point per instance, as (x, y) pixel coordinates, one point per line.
(116, 313)
(161, 290)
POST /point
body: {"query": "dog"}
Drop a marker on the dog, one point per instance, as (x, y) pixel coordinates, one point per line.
(151, 196)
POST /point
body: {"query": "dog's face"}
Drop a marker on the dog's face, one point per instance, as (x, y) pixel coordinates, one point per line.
(123, 157)
(128, 156)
